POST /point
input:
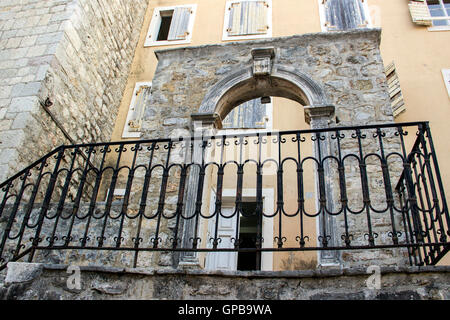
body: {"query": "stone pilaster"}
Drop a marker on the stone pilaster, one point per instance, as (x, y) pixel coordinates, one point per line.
(320, 117)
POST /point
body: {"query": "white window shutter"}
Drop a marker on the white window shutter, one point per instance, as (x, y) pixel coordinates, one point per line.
(245, 17)
(420, 13)
(395, 91)
(234, 21)
(180, 23)
(137, 109)
(248, 18)
(261, 22)
(344, 14)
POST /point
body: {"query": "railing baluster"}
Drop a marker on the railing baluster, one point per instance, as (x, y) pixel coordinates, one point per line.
(63, 198)
(93, 201)
(218, 209)
(126, 197)
(421, 178)
(387, 185)
(280, 202)
(343, 190)
(29, 207)
(13, 213)
(162, 196)
(143, 204)
(301, 192)
(324, 237)
(109, 200)
(365, 187)
(238, 201)
(259, 201)
(76, 206)
(46, 203)
(406, 225)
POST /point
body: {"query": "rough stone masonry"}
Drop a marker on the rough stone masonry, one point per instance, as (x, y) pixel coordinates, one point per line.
(76, 54)
(34, 281)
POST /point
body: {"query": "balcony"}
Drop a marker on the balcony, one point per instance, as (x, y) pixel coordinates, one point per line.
(357, 195)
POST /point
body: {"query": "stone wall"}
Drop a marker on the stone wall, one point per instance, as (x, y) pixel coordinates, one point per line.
(49, 282)
(75, 53)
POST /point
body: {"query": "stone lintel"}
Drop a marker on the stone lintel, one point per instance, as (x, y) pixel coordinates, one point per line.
(317, 112)
(263, 52)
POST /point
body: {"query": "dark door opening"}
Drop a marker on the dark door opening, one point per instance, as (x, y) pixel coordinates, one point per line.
(250, 227)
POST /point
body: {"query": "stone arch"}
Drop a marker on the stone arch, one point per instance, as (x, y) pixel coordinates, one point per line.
(243, 85)
(265, 78)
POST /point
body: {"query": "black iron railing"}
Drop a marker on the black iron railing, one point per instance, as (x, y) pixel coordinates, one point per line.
(366, 187)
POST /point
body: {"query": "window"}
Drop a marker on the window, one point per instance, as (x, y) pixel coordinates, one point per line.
(251, 19)
(439, 11)
(252, 114)
(139, 100)
(432, 13)
(341, 15)
(395, 92)
(171, 25)
(446, 76)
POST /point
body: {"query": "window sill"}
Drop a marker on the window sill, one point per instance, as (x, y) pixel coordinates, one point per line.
(165, 43)
(439, 28)
(131, 135)
(246, 37)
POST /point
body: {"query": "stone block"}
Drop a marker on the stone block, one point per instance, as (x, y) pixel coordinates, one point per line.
(5, 91)
(22, 120)
(24, 104)
(28, 41)
(37, 50)
(6, 155)
(13, 42)
(19, 272)
(49, 38)
(26, 89)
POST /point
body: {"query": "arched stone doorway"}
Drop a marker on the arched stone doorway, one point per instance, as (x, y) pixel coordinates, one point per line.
(263, 78)
(344, 70)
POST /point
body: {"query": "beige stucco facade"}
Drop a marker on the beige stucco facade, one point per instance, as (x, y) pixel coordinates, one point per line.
(419, 55)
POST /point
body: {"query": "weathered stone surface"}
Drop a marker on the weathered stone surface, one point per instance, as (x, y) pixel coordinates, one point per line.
(76, 53)
(22, 272)
(429, 283)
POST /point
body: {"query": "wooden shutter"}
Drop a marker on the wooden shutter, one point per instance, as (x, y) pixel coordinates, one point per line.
(247, 18)
(250, 114)
(234, 19)
(180, 23)
(345, 14)
(137, 109)
(395, 92)
(420, 13)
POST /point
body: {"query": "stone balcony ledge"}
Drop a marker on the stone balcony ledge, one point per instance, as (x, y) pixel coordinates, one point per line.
(35, 281)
